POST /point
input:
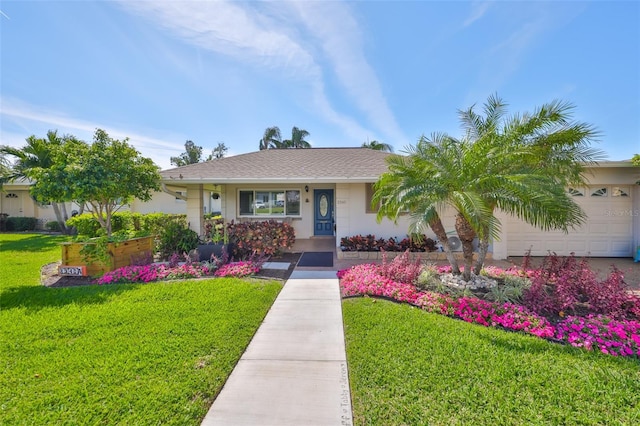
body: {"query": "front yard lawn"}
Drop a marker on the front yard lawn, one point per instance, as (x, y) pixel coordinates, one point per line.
(123, 354)
(410, 367)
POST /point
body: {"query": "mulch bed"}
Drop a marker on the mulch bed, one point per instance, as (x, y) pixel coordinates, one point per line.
(49, 273)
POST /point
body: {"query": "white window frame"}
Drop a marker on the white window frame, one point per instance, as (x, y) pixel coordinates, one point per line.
(268, 216)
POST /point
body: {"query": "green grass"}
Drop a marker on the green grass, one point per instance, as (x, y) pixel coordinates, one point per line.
(409, 367)
(123, 354)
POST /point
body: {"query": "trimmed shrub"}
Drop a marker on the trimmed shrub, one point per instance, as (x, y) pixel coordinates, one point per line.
(53, 226)
(150, 224)
(175, 238)
(20, 224)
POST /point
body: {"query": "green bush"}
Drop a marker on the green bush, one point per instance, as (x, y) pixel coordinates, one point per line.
(19, 224)
(268, 237)
(175, 237)
(52, 226)
(151, 224)
(85, 225)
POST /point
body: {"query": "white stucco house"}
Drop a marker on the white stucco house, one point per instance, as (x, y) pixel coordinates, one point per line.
(326, 192)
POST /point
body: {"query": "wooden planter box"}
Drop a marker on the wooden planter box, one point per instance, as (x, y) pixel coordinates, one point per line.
(120, 254)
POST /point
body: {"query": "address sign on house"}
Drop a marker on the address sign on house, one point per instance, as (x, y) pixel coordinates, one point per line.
(75, 271)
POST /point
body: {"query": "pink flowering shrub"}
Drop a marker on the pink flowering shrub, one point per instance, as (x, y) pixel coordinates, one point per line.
(366, 279)
(401, 269)
(562, 285)
(154, 272)
(238, 269)
(617, 338)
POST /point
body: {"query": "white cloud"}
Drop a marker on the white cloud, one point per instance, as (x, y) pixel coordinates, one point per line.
(20, 120)
(270, 35)
(339, 34)
(478, 9)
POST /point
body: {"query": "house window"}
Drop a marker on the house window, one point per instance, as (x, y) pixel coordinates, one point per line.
(576, 192)
(618, 191)
(600, 192)
(178, 199)
(269, 203)
(369, 191)
(11, 195)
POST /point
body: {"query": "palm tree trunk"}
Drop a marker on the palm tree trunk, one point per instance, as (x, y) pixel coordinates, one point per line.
(466, 235)
(438, 229)
(483, 249)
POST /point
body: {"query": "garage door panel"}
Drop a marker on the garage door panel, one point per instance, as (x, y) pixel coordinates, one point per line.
(605, 233)
(577, 246)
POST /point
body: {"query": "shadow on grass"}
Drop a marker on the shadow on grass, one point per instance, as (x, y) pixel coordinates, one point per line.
(33, 243)
(35, 298)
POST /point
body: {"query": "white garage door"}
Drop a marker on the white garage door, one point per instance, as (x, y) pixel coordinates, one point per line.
(606, 233)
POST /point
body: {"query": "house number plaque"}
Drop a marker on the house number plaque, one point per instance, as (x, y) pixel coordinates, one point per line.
(74, 271)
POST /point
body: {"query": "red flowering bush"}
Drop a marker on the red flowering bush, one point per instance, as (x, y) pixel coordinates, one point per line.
(566, 285)
(268, 237)
(369, 242)
(401, 269)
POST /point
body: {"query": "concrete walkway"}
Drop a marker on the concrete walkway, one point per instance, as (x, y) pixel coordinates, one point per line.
(294, 371)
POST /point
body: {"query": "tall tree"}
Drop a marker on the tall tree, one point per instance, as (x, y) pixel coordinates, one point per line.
(378, 146)
(271, 138)
(521, 165)
(298, 139)
(218, 152)
(104, 176)
(36, 155)
(192, 154)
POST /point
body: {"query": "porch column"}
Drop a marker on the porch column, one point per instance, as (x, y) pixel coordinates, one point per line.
(195, 208)
(342, 211)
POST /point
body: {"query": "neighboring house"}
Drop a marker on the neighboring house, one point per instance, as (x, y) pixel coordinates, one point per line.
(326, 192)
(16, 201)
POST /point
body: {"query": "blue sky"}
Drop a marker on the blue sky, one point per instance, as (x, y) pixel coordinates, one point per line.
(163, 72)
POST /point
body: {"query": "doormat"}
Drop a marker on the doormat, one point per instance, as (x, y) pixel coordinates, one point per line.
(316, 258)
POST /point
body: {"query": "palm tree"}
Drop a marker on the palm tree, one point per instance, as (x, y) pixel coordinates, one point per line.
(378, 146)
(297, 139)
(271, 138)
(521, 165)
(546, 139)
(36, 154)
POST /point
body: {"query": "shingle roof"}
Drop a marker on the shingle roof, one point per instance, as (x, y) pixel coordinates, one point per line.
(286, 165)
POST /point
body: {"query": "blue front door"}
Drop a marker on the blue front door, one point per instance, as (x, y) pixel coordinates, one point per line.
(323, 216)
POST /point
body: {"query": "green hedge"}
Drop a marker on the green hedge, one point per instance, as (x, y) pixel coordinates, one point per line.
(151, 223)
(19, 224)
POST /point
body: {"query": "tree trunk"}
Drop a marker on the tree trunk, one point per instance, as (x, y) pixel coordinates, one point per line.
(483, 249)
(438, 229)
(466, 235)
(61, 221)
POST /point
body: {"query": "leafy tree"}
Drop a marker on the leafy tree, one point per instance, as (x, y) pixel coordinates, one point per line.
(192, 155)
(378, 146)
(297, 139)
(271, 138)
(36, 155)
(218, 152)
(635, 160)
(521, 164)
(104, 176)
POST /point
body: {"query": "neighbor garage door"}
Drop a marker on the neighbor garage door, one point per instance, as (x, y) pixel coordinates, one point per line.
(607, 232)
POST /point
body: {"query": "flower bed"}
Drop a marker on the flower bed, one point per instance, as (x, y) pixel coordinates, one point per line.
(614, 337)
(157, 272)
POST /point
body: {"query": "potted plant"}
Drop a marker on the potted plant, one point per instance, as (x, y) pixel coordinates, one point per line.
(215, 241)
